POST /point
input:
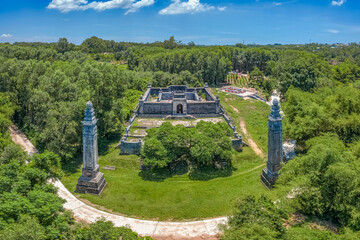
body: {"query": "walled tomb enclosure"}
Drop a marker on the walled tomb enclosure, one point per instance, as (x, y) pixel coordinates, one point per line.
(176, 102)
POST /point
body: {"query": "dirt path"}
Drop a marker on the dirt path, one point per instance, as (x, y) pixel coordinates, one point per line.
(195, 230)
(250, 141)
(19, 138)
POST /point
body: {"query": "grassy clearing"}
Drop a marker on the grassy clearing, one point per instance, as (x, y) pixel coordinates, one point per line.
(177, 197)
(253, 112)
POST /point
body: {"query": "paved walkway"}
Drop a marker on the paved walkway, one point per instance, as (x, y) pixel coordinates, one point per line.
(165, 230)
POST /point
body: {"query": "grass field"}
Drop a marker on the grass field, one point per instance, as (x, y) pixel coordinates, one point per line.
(131, 192)
(253, 112)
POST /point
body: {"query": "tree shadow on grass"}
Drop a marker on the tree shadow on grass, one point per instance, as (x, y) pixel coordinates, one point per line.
(196, 174)
(159, 175)
(206, 174)
(72, 166)
(105, 144)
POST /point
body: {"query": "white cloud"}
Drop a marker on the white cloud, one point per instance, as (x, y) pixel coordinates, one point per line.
(332, 31)
(191, 6)
(73, 5)
(221, 9)
(101, 6)
(5, 35)
(338, 3)
(67, 5)
(283, 3)
(140, 4)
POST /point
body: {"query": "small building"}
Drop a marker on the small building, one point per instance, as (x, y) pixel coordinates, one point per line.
(178, 101)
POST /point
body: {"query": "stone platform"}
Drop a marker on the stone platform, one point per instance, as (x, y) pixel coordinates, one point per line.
(267, 178)
(91, 181)
(93, 185)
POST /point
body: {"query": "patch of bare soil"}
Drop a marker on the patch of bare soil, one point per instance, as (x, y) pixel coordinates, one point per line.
(235, 109)
(299, 218)
(250, 141)
(213, 120)
(187, 123)
(324, 225)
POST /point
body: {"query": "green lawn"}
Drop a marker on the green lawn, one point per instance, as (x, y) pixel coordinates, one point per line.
(178, 197)
(253, 112)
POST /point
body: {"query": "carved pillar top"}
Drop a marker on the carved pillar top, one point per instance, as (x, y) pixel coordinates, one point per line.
(89, 118)
(275, 111)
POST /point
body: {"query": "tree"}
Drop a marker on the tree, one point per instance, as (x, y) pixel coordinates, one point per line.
(256, 75)
(253, 218)
(325, 180)
(102, 229)
(199, 147)
(48, 162)
(63, 45)
(299, 69)
(93, 45)
(327, 110)
(346, 72)
(26, 228)
(171, 43)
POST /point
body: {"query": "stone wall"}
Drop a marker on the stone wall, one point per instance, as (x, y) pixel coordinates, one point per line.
(129, 148)
(158, 108)
(209, 95)
(201, 107)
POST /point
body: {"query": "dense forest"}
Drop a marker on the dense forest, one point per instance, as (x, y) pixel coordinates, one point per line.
(45, 86)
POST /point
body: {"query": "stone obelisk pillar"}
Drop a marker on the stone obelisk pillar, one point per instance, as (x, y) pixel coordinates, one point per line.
(275, 150)
(91, 180)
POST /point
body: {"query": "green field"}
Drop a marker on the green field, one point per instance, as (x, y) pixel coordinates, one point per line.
(139, 194)
(253, 112)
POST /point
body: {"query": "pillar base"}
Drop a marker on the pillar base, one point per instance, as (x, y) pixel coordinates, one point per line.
(92, 185)
(268, 178)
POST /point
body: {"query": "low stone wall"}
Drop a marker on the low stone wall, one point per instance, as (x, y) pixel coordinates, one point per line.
(237, 142)
(228, 120)
(130, 148)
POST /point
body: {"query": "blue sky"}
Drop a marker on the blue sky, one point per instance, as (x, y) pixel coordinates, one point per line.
(202, 21)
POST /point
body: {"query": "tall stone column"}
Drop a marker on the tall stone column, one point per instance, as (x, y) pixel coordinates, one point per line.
(275, 150)
(91, 180)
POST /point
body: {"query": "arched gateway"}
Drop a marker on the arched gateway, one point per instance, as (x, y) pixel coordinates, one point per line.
(179, 109)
